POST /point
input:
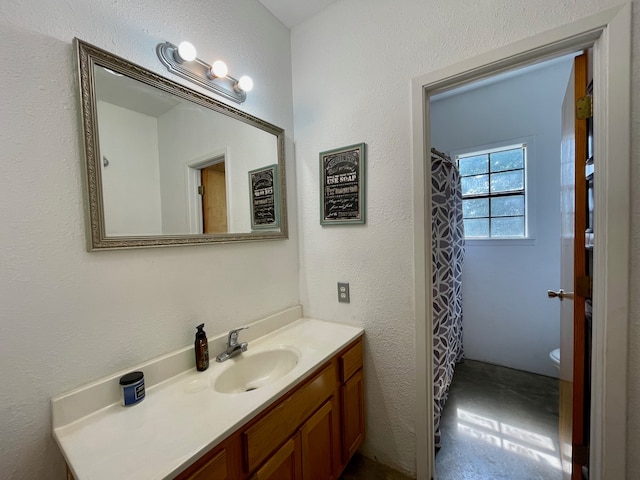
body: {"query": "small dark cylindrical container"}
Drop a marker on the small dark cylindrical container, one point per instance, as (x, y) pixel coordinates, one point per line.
(202, 349)
(131, 388)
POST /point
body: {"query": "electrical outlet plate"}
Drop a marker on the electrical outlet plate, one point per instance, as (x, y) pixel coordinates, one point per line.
(343, 292)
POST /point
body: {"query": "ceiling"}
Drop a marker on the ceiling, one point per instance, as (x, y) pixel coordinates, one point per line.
(498, 77)
(131, 94)
(294, 12)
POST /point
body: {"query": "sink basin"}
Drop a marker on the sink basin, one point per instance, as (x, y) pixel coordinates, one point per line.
(250, 371)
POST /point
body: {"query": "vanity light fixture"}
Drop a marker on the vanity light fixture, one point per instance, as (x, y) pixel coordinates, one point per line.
(186, 52)
(245, 83)
(219, 69)
(182, 60)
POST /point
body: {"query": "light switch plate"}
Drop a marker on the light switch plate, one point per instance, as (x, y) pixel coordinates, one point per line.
(343, 292)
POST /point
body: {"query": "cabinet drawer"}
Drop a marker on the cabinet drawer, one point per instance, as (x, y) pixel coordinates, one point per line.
(279, 424)
(351, 361)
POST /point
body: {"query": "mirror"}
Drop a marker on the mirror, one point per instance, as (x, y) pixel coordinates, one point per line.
(166, 165)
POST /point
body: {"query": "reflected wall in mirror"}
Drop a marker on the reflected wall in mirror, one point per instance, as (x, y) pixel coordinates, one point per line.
(166, 165)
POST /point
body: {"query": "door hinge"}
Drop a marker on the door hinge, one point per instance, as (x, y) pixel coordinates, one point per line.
(581, 454)
(584, 286)
(584, 107)
(201, 190)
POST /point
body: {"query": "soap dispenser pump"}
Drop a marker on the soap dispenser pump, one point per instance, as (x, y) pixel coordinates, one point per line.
(202, 349)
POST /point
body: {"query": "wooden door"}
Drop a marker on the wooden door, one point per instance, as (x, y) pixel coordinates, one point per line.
(284, 464)
(214, 199)
(318, 438)
(573, 208)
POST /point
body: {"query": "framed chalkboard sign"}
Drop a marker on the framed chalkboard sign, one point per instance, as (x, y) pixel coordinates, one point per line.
(342, 188)
(263, 188)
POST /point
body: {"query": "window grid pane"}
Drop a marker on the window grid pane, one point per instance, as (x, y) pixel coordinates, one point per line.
(507, 206)
(476, 227)
(512, 181)
(475, 208)
(501, 191)
(475, 185)
(507, 227)
(507, 160)
(474, 165)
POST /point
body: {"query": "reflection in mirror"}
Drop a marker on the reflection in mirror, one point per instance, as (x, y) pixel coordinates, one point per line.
(165, 164)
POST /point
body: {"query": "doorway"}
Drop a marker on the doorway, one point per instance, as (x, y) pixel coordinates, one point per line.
(207, 192)
(609, 34)
(503, 137)
(213, 191)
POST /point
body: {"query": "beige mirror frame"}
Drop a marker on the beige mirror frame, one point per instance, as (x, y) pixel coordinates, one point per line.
(89, 57)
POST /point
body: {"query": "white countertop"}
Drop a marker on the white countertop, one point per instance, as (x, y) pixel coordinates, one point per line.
(183, 417)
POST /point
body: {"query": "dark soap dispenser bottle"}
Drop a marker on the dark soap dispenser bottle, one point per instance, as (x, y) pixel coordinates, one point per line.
(202, 349)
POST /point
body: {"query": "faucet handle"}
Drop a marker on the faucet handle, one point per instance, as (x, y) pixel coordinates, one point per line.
(233, 335)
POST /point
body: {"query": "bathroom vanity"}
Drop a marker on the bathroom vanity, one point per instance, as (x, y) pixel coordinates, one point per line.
(291, 407)
(311, 432)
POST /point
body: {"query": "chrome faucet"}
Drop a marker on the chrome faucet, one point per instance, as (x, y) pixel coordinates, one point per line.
(233, 347)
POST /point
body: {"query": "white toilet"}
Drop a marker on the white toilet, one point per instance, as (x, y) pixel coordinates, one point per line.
(554, 355)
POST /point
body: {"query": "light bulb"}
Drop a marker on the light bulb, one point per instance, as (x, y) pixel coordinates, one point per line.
(219, 69)
(245, 83)
(186, 52)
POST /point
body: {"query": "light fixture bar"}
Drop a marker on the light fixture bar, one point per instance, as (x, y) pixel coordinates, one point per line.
(197, 72)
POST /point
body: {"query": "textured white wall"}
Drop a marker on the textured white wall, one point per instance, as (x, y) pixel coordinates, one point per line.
(131, 180)
(67, 316)
(508, 319)
(352, 65)
(202, 134)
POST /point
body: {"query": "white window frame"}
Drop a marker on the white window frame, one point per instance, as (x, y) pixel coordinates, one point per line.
(529, 190)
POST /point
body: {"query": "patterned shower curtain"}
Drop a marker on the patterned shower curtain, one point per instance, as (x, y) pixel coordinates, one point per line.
(447, 256)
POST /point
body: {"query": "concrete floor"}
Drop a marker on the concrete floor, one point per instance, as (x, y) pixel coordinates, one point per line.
(362, 468)
(499, 424)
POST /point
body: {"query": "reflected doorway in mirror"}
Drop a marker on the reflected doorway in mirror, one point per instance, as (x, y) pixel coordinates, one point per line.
(213, 191)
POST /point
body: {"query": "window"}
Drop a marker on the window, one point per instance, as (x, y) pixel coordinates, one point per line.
(493, 192)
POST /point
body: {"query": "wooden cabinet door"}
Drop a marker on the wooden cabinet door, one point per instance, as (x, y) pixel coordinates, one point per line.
(284, 464)
(352, 415)
(283, 420)
(214, 469)
(319, 436)
(223, 462)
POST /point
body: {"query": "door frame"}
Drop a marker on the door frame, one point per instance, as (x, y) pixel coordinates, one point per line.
(609, 33)
(193, 181)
